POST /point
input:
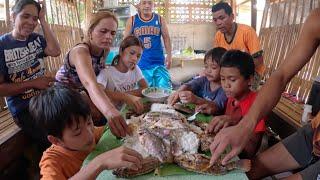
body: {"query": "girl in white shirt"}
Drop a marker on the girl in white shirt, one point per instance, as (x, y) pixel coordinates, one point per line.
(123, 80)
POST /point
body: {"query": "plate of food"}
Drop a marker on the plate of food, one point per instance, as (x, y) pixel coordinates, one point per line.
(156, 94)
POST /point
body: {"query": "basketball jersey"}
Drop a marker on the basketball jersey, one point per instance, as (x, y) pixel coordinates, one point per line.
(149, 33)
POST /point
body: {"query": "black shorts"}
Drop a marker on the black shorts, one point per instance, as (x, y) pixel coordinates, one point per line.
(299, 145)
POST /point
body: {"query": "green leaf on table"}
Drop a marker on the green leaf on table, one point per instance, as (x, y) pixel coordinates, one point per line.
(171, 169)
(203, 118)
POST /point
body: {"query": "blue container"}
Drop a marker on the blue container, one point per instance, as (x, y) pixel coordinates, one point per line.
(113, 52)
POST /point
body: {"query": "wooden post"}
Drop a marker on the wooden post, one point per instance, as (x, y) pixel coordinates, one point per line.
(89, 8)
(166, 11)
(52, 16)
(254, 14)
(6, 6)
(233, 4)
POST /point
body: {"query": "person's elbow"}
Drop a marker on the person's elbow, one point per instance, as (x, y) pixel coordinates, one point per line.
(281, 76)
(54, 52)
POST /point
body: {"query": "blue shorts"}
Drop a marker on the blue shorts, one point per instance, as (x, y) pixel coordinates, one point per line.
(157, 77)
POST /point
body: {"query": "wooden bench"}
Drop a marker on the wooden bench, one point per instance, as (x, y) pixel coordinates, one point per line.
(7, 126)
(12, 140)
(289, 111)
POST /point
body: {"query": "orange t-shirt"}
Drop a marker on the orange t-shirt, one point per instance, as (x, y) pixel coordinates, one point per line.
(316, 135)
(60, 163)
(245, 39)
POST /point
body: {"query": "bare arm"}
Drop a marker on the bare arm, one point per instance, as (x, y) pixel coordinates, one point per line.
(80, 58)
(116, 158)
(12, 89)
(91, 171)
(167, 43)
(127, 30)
(270, 93)
(142, 85)
(53, 47)
(174, 97)
(129, 99)
(199, 101)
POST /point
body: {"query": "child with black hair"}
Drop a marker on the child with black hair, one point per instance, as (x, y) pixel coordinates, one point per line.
(207, 89)
(237, 71)
(65, 117)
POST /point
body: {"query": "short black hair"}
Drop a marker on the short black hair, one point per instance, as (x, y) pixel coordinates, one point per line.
(56, 108)
(240, 60)
(222, 5)
(20, 4)
(216, 54)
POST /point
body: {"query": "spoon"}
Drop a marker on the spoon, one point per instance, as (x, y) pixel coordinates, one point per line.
(193, 117)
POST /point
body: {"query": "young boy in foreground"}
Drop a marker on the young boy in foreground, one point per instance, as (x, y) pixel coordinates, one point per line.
(65, 117)
(237, 70)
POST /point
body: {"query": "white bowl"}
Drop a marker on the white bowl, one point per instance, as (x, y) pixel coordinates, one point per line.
(156, 94)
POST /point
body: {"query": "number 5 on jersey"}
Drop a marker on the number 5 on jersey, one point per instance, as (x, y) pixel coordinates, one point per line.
(147, 42)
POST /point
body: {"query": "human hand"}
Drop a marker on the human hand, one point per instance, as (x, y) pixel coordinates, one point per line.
(43, 82)
(187, 97)
(121, 157)
(173, 98)
(135, 102)
(42, 13)
(168, 61)
(117, 124)
(206, 108)
(235, 136)
(219, 122)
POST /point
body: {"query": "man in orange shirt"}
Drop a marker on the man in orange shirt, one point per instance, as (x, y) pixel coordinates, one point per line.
(65, 117)
(232, 35)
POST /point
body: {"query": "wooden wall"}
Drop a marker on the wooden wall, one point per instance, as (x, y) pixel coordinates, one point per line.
(280, 28)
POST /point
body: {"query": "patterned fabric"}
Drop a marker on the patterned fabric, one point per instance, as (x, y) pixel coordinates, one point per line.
(68, 74)
(22, 61)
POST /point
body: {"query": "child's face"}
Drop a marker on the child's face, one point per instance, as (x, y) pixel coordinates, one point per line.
(233, 83)
(212, 70)
(79, 137)
(130, 56)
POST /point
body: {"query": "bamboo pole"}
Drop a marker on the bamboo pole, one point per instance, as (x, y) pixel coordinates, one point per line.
(7, 10)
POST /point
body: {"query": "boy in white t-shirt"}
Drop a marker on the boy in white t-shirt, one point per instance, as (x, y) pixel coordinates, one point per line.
(123, 80)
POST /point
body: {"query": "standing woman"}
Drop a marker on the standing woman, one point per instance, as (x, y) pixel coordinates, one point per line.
(22, 69)
(84, 62)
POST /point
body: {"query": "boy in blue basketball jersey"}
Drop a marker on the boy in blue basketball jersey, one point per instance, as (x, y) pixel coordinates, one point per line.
(149, 27)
